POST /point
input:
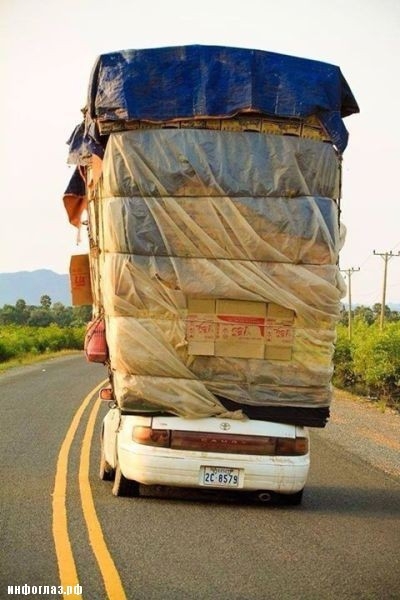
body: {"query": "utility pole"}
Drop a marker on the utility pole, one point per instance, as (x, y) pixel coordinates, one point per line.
(386, 257)
(349, 273)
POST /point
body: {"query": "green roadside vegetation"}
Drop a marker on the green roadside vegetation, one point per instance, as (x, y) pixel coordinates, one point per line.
(367, 355)
(368, 364)
(30, 333)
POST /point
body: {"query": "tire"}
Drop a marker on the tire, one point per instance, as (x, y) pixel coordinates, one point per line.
(106, 472)
(123, 486)
(291, 499)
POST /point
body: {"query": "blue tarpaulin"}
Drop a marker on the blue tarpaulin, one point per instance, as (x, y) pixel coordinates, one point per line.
(196, 81)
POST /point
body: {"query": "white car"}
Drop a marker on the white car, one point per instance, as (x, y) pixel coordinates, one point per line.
(268, 459)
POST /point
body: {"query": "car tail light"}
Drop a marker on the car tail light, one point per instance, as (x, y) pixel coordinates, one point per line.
(220, 442)
(291, 446)
(151, 437)
(199, 441)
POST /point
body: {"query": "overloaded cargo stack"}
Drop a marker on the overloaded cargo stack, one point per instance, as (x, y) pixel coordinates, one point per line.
(213, 181)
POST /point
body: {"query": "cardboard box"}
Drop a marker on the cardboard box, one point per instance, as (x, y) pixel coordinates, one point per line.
(239, 329)
(278, 353)
(278, 335)
(280, 313)
(201, 326)
(240, 349)
(79, 275)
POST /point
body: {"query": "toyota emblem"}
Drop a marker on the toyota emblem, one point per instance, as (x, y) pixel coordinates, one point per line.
(225, 426)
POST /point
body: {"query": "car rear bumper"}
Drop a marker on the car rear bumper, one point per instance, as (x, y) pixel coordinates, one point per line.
(161, 466)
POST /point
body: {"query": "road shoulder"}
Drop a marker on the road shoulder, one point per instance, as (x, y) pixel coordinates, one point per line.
(360, 426)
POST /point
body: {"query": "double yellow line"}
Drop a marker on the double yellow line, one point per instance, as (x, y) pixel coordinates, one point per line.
(65, 557)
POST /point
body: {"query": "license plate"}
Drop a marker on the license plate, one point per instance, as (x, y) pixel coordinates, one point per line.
(219, 476)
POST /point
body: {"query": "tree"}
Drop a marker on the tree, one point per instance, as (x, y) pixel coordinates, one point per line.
(45, 301)
(20, 305)
(377, 311)
(81, 315)
(21, 312)
(45, 314)
(8, 315)
(40, 317)
(344, 315)
(365, 313)
(61, 315)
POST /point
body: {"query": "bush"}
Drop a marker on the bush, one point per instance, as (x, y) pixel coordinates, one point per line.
(344, 375)
(371, 361)
(377, 358)
(7, 352)
(19, 341)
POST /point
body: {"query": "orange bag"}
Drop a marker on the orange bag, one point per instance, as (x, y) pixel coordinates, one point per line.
(95, 346)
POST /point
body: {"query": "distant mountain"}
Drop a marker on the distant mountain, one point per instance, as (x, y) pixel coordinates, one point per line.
(32, 285)
(394, 306)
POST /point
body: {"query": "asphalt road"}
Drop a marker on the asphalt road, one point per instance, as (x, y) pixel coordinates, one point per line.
(342, 543)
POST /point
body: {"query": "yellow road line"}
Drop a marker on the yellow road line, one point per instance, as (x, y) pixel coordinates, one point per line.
(110, 575)
(65, 558)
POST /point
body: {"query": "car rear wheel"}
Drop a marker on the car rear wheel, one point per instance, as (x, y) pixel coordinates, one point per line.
(291, 499)
(106, 472)
(123, 486)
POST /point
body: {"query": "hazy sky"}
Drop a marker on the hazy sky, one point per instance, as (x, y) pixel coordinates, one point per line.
(48, 49)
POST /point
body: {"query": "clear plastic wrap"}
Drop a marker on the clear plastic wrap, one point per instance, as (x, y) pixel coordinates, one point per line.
(201, 162)
(190, 215)
(158, 287)
(197, 194)
(295, 230)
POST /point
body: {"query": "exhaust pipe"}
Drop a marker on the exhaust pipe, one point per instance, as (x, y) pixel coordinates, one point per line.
(264, 497)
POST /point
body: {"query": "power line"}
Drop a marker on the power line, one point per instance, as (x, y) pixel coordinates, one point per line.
(349, 273)
(386, 257)
(395, 246)
(367, 258)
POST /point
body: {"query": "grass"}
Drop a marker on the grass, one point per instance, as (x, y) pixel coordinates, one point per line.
(30, 359)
